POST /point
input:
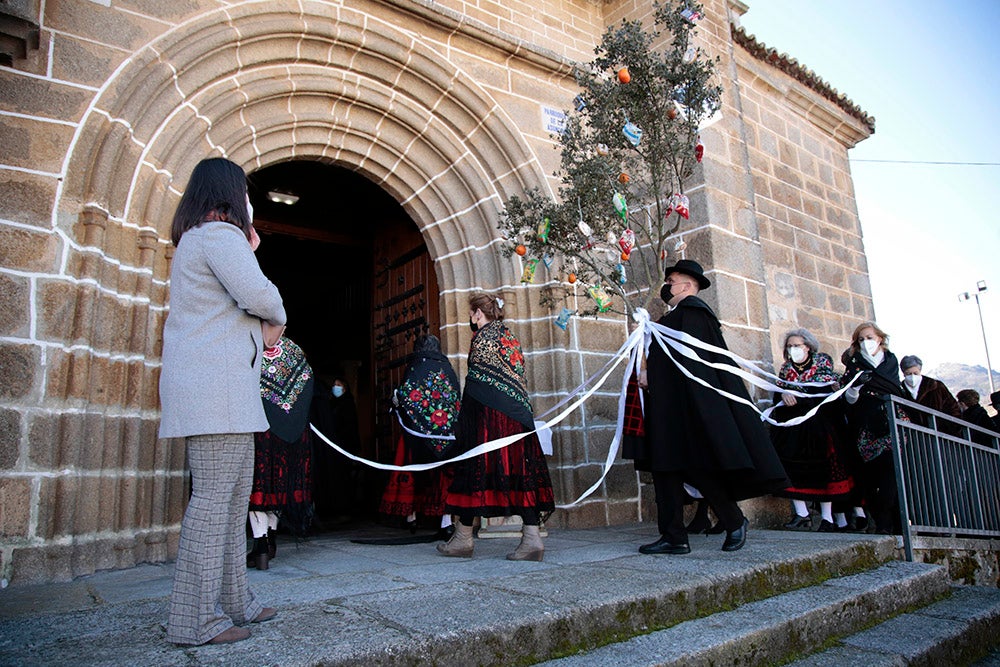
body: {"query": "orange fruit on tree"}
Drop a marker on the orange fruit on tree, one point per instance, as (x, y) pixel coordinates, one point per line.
(521, 250)
(625, 256)
(623, 75)
(571, 278)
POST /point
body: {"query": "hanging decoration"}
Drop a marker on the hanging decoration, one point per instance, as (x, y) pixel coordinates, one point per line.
(689, 55)
(600, 297)
(623, 178)
(679, 204)
(622, 279)
(621, 207)
(528, 275)
(632, 132)
(547, 260)
(584, 228)
(521, 250)
(542, 233)
(562, 321)
(699, 150)
(623, 75)
(602, 150)
(571, 278)
(690, 15)
(627, 241)
(580, 103)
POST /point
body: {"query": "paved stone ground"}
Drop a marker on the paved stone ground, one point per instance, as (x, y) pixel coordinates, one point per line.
(346, 603)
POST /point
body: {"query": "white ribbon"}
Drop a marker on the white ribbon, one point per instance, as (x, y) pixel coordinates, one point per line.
(642, 336)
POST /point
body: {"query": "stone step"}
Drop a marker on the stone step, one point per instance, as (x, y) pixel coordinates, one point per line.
(954, 631)
(772, 630)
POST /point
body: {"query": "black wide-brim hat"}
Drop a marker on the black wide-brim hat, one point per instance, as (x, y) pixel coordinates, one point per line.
(689, 267)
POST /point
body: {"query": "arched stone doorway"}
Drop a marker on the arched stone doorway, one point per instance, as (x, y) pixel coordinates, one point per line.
(261, 85)
(359, 286)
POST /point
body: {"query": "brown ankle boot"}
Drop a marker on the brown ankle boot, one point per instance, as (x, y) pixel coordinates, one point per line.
(531, 547)
(460, 544)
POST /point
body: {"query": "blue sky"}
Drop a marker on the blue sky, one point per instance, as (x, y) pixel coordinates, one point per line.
(928, 73)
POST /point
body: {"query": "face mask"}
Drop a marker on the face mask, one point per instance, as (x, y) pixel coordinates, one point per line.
(473, 326)
(250, 210)
(912, 380)
(665, 293)
(798, 354)
(871, 346)
(338, 391)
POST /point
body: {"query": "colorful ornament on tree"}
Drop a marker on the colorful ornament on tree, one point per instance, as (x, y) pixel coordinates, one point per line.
(690, 15)
(623, 75)
(624, 256)
(699, 150)
(542, 233)
(521, 250)
(580, 103)
(547, 260)
(679, 246)
(562, 321)
(611, 238)
(678, 204)
(622, 279)
(621, 207)
(602, 150)
(528, 275)
(690, 54)
(627, 241)
(632, 132)
(584, 228)
(571, 278)
(600, 297)
(623, 178)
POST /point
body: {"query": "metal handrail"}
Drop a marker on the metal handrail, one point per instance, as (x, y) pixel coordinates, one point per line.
(947, 474)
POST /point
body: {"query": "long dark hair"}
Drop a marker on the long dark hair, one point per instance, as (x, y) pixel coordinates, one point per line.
(216, 186)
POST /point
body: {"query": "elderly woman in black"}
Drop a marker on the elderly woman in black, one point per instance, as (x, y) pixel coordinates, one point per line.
(869, 424)
(811, 452)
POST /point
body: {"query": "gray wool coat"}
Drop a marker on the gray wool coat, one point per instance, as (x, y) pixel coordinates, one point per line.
(212, 340)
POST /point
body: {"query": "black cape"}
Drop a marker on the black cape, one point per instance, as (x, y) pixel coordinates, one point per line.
(868, 412)
(691, 428)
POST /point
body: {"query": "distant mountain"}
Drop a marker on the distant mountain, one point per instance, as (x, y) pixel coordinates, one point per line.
(962, 376)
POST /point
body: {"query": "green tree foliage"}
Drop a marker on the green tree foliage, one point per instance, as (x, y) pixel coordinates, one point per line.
(668, 94)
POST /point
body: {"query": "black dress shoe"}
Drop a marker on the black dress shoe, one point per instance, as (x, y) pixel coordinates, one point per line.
(800, 523)
(664, 546)
(737, 538)
(826, 527)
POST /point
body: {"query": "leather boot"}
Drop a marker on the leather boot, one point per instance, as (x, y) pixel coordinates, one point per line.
(272, 544)
(460, 544)
(260, 557)
(531, 547)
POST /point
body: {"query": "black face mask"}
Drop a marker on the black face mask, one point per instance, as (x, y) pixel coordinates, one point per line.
(665, 293)
(473, 326)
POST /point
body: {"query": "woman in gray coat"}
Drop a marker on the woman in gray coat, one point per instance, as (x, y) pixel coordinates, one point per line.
(221, 308)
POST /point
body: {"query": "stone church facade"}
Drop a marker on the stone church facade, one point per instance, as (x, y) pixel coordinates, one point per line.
(106, 106)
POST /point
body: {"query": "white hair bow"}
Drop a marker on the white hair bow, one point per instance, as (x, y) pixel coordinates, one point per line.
(499, 302)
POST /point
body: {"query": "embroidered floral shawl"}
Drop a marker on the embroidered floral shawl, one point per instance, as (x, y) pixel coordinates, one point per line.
(428, 400)
(286, 389)
(496, 373)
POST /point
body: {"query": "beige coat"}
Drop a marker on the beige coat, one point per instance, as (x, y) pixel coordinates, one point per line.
(212, 342)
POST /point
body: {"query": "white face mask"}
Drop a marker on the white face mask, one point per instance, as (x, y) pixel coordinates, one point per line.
(249, 208)
(912, 380)
(338, 391)
(798, 354)
(871, 346)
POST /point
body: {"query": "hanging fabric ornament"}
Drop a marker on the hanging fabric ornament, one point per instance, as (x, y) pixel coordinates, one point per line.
(600, 297)
(690, 15)
(678, 203)
(543, 230)
(690, 54)
(547, 260)
(627, 241)
(699, 150)
(528, 275)
(562, 321)
(584, 228)
(621, 208)
(621, 274)
(632, 132)
(580, 103)
(602, 150)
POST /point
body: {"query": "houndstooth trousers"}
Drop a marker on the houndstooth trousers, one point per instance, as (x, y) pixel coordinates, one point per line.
(210, 591)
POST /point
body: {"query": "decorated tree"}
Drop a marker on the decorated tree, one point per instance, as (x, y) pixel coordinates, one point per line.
(629, 145)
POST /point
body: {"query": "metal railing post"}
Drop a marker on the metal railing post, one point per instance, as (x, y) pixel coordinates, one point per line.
(897, 455)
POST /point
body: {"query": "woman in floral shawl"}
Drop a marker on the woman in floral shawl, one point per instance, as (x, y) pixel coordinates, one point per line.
(511, 480)
(427, 403)
(814, 453)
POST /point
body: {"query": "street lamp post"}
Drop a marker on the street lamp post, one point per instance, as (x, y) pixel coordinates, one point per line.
(965, 296)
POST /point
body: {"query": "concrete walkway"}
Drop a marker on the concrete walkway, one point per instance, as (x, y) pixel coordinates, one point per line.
(346, 603)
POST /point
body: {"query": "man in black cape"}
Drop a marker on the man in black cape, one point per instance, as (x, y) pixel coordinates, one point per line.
(696, 435)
